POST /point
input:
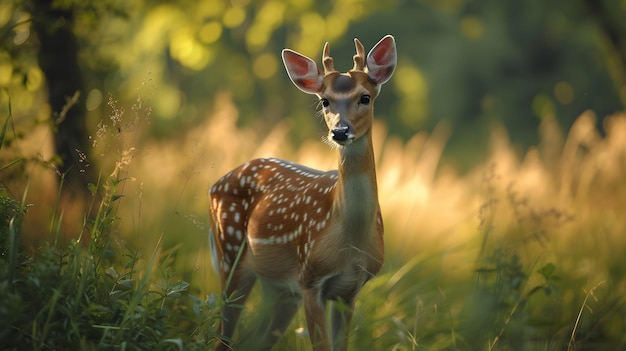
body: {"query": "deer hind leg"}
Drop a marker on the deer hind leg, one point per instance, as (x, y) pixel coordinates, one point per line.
(235, 296)
(286, 299)
(228, 250)
(281, 301)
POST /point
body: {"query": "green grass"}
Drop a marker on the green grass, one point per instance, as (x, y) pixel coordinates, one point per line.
(99, 296)
(482, 261)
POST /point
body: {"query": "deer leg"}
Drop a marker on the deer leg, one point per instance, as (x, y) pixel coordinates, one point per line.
(236, 295)
(315, 313)
(286, 300)
(341, 316)
(280, 303)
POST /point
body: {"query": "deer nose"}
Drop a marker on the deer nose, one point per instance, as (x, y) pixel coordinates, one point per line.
(340, 133)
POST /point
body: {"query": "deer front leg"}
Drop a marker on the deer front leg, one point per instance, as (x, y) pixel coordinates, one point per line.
(341, 316)
(314, 311)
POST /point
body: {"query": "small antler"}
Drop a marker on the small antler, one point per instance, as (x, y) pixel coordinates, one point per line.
(359, 58)
(329, 65)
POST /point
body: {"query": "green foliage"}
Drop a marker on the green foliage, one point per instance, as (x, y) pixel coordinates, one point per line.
(11, 213)
(69, 298)
(62, 300)
(95, 292)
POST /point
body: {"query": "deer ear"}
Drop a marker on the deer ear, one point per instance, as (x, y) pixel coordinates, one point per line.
(303, 72)
(381, 60)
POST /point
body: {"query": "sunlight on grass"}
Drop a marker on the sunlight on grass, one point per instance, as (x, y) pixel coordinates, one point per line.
(557, 204)
(518, 253)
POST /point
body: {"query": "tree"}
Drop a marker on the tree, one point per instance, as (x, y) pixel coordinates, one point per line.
(58, 59)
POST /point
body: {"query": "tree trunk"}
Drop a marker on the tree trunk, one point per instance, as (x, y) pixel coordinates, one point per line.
(58, 59)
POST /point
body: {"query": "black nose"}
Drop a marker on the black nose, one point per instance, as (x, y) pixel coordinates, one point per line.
(340, 133)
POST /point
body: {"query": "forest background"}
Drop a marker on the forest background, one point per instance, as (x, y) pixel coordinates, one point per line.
(500, 146)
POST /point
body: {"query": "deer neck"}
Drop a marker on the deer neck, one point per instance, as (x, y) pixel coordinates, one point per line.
(356, 195)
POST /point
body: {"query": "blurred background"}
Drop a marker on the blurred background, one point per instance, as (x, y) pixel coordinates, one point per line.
(466, 63)
(499, 138)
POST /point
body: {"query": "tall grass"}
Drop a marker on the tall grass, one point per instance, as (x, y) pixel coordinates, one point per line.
(97, 292)
(523, 252)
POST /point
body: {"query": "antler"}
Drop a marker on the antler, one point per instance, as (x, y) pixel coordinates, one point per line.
(329, 65)
(359, 58)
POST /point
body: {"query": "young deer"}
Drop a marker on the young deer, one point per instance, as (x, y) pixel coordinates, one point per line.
(306, 234)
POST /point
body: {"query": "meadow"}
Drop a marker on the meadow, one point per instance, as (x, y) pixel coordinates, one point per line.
(525, 251)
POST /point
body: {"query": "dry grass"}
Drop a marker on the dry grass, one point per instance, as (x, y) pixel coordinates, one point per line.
(561, 204)
(455, 243)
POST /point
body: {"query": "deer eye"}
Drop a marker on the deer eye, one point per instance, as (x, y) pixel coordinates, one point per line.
(325, 102)
(365, 99)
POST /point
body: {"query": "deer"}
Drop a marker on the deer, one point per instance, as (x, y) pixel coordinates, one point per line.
(308, 236)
